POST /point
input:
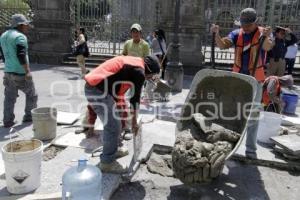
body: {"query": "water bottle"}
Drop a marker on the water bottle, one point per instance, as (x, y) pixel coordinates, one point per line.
(82, 182)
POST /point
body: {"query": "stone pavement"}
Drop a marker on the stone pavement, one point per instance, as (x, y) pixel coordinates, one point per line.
(61, 87)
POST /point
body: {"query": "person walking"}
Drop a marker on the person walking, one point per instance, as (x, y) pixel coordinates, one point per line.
(81, 50)
(250, 54)
(159, 48)
(17, 74)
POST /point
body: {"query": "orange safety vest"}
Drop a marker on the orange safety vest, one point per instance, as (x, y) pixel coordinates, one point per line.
(259, 73)
(265, 98)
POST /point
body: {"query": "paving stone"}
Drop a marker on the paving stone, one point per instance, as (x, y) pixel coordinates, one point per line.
(290, 142)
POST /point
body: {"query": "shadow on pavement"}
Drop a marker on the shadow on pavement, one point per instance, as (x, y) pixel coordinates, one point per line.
(241, 182)
(4, 132)
(132, 191)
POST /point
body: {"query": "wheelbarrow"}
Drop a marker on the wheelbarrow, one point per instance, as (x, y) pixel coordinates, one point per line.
(223, 98)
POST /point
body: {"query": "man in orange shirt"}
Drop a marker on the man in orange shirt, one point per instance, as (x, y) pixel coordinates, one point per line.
(105, 90)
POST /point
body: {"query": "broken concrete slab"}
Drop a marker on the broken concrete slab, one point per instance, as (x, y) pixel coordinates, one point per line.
(67, 118)
(290, 143)
(265, 157)
(160, 164)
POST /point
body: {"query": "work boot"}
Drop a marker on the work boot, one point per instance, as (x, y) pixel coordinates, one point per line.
(114, 168)
(122, 151)
(27, 119)
(9, 124)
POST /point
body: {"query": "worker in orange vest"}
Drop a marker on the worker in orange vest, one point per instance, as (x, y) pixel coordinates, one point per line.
(105, 91)
(271, 92)
(250, 56)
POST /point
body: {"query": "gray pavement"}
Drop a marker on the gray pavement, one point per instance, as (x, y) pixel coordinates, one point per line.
(61, 87)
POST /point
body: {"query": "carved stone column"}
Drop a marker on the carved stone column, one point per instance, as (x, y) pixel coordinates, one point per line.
(50, 38)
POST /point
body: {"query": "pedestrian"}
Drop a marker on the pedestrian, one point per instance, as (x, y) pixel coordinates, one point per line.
(82, 50)
(290, 57)
(105, 91)
(136, 46)
(271, 92)
(17, 74)
(246, 41)
(159, 48)
(283, 38)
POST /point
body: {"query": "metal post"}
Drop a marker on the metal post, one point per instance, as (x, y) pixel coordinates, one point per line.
(174, 69)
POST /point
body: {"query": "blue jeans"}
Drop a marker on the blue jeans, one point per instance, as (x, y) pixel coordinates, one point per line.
(253, 122)
(12, 84)
(105, 107)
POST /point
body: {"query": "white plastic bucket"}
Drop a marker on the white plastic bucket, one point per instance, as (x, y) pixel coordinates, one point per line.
(269, 126)
(44, 123)
(22, 161)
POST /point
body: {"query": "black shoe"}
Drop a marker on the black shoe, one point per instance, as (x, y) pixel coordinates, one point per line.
(9, 124)
(27, 119)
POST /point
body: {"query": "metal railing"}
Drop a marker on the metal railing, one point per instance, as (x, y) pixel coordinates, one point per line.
(227, 56)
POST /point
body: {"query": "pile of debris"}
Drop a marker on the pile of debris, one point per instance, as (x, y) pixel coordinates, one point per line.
(201, 149)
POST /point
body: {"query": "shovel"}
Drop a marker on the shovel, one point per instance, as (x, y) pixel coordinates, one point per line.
(137, 142)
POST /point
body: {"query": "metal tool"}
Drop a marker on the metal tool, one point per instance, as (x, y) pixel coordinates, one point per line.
(162, 90)
(137, 142)
(213, 50)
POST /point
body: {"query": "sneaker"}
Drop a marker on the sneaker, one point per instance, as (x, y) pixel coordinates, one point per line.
(122, 151)
(114, 168)
(128, 136)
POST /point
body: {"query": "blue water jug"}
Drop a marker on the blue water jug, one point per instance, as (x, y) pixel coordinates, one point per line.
(82, 182)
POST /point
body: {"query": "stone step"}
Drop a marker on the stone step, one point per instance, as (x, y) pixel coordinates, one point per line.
(93, 61)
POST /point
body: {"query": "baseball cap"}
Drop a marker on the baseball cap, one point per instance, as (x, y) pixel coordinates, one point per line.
(151, 65)
(247, 16)
(18, 19)
(136, 26)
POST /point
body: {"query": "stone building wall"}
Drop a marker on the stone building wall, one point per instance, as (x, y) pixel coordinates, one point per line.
(51, 36)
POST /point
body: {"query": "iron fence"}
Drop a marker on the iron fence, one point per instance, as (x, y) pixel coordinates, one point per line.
(272, 13)
(10, 7)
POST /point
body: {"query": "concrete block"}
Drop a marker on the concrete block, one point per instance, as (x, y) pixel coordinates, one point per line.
(290, 143)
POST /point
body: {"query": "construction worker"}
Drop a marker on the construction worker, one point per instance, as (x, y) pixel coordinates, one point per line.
(105, 91)
(136, 47)
(250, 55)
(271, 92)
(14, 47)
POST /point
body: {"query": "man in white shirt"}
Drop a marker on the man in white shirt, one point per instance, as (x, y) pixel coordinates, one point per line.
(290, 57)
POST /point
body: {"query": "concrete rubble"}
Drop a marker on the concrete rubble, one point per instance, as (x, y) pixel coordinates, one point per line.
(200, 151)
